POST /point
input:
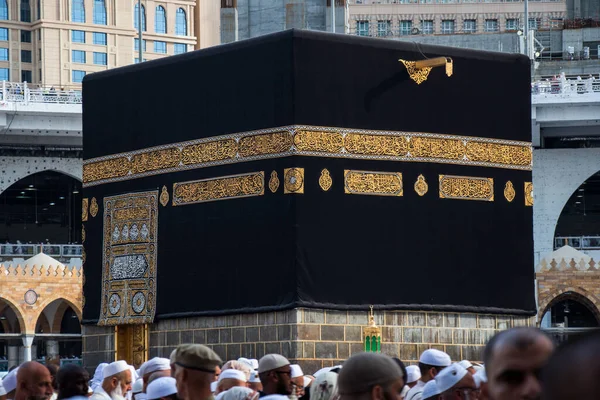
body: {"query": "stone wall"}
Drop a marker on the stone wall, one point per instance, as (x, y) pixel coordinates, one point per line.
(318, 338)
(98, 346)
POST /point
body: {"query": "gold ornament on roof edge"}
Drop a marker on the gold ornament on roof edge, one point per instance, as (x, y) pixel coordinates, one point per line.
(421, 186)
(94, 207)
(509, 191)
(325, 180)
(274, 182)
(416, 74)
(164, 196)
(419, 70)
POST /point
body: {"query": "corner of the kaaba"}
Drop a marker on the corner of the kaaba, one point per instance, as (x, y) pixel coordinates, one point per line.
(264, 203)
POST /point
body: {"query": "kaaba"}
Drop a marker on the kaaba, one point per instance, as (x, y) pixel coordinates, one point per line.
(312, 171)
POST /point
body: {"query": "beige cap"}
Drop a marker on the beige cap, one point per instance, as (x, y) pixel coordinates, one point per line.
(271, 362)
(197, 357)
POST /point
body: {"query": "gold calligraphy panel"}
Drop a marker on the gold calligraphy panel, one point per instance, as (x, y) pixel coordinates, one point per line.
(270, 143)
(466, 188)
(210, 151)
(222, 188)
(328, 142)
(380, 145)
(426, 147)
(155, 160)
(113, 168)
(373, 183)
(497, 153)
(129, 259)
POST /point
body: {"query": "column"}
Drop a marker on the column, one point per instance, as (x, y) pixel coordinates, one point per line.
(27, 341)
(13, 356)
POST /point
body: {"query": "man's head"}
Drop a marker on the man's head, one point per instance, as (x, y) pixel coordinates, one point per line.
(154, 365)
(194, 370)
(297, 380)
(413, 374)
(275, 374)
(456, 383)
(370, 376)
(240, 366)
(34, 382)
(53, 368)
(230, 378)
(163, 388)
(254, 382)
(72, 380)
(466, 364)
(563, 381)
(431, 362)
(217, 373)
(430, 391)
(513, 361)
(117, 379)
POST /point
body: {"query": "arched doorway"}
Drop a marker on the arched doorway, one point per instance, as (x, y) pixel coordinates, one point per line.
(44, 207)
(11, 329)
(569, 314)
(61, 343)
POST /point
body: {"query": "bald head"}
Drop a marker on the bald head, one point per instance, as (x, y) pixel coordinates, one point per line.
(34, 382)
(369, 374)
(514, 359)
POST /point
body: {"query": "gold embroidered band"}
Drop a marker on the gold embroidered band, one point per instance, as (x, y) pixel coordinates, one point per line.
(221, 188)
(373, 183)
(466, 188)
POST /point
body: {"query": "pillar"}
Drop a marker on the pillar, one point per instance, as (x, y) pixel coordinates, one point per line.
(51, 349)
(13, 355)
(27, 341)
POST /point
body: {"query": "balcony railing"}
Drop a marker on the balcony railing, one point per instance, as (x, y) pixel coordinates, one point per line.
(578, 242)
(28, 93)
(561, 85)
(53, 250)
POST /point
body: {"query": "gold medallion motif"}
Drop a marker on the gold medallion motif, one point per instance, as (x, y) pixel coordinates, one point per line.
(82, 233)
(325, 180)
(274, 182)
(373, 183)
(466, 188)
(293, 180)
(418, 75)
(221, 188)
(164, 196)
(528, 193)
(84, 209)
(421, 186)
(509, 191)
(94, 207)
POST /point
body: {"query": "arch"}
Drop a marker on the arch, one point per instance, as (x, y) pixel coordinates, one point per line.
(136, 19)
(6, 301)
(78, 11)
(579, 295)
(42, 325)
(180, 22)
(63, 303)
(19, 168)
(100, 12)
(160, 20)
(4, 10)
(25, 11)
(60, 313)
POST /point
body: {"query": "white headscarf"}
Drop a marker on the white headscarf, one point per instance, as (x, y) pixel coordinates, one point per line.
(324, 387)
(238, 393)
(97, 379)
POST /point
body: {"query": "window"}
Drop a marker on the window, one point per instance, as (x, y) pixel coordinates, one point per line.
(78, 36)
(512, 24)
(100, 58)
(78, 56)
(448, 26)
(136, 17)
(427, 26)
(160, 20)
(39, 54)
(405, 27)
(25, 11)
(26, 76)
(39, 9)
(180, 48)
(4, 10)
(469, 26)
(77, 76)
(491, 25)
(100, 38)
(136, 43)
(180, 23)
(362, 28)
(26, 56)
(4, 34)
(137, 60)
(4, 74)
(41, 75)
(384, 28)
(99, 12)
(160, 47)
(78, 11)
(533, 23)
(3, 54)
(26, 37)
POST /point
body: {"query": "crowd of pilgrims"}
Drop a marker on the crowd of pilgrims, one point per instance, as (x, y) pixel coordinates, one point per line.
(520, 363)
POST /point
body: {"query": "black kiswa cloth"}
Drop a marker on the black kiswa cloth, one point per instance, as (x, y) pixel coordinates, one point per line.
(324, 249)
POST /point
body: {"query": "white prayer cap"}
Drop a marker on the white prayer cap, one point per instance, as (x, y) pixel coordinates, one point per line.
(413, 373)
(213, 386)
(246, 361)
(2, 390)
(322, 370)
(436, 358)
(233, 374)
(155, 364)
(478, 367)
(161, 387)
(271, 362)
(114, 368)
(449, 377)
(141, 396)
(10, 380)
(296, 371)
(480, 377)
(465, 364)
(307, 381)
(430, 389)
(137, 386)
(254, 363)
(134, 374)
(253, 377)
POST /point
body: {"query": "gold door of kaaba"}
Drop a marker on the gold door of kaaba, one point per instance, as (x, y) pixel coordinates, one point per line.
(131, 343)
